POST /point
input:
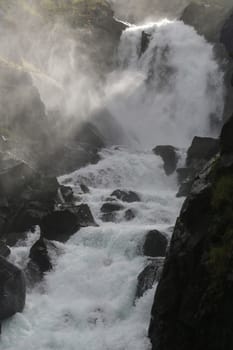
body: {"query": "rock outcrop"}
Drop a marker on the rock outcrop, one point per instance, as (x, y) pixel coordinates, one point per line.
(169, 156)
(12, 290)
(193, 307)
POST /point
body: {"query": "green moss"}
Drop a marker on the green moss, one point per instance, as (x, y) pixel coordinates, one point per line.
(223, 193)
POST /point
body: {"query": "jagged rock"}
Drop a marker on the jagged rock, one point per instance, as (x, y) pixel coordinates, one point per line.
(199, 153)
(4, 250)
(126, 196)
(201, 150)
(155, 244)
(193, 306)
(12, 289)
(60, 225)
(149, 276)
(129, 215)
(169, 157)
(66, 193)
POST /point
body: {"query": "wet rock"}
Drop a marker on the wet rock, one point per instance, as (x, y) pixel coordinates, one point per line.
(61, 224)
(66, 194)
(145, 41)
(155, 244)
(149, 276)
(226, 35)
(129, 215)
(39, 255)
(4, 250)
(12, 289)
(169, 156)
(126, 196)
(111, 207)
(84, 188)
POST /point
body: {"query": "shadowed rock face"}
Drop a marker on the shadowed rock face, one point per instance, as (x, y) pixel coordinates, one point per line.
(12, 289)
(193, 306)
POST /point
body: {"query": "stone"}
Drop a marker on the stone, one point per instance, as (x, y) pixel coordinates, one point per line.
(126, 196)
(155, 244)
(169, 156)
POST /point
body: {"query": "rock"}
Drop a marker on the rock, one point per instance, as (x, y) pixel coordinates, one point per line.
(12, 290)
(39, 255)
(149, 276)
(155, 244)
(169, 157)
(226, 139)
(145, 41)
(4, 250)
(226, 35)
(126, 196)
(201, 150)
(61, 224)
(84, 188)
(199, 153)
(193, 306)
(111, 207)
(67, 195)
(129, 215)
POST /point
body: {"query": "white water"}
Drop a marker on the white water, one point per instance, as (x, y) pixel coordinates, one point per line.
(168, 94)
(87, 302)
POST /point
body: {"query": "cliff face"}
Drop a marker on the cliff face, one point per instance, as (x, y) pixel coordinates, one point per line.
(193, 306)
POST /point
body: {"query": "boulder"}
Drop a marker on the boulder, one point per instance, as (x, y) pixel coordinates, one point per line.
(39, 255)
(169, 156)
(111, 207)
(126, 196)
(149, 276)
(84, 188)
(155, 244)
(12, 289)
(61, 224)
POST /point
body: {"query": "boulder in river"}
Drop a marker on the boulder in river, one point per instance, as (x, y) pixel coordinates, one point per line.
(126, 196)
(169, 156)
(12, 289)
(61, 224)
(155, 244)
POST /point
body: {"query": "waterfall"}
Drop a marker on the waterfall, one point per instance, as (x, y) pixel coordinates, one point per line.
(169, 91)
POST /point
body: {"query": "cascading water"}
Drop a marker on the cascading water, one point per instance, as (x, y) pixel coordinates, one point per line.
(170, 92)
(165, 95)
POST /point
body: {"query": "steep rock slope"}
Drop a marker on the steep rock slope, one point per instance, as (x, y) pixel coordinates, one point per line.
(193, 304)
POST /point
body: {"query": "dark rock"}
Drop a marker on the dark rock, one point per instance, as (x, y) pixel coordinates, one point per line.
(155, 244)
(226, 35)
(129, 215)
(149, 276)
(193, 303)
(39, 255)
(109, 217)
(226, 138)
(126, 196)
(199, 153)
(145, 41)
(84, 188)
(201, 150)
(169, 157)
(4, 250)
(60, 225)
(111, 207)
(12, 289)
